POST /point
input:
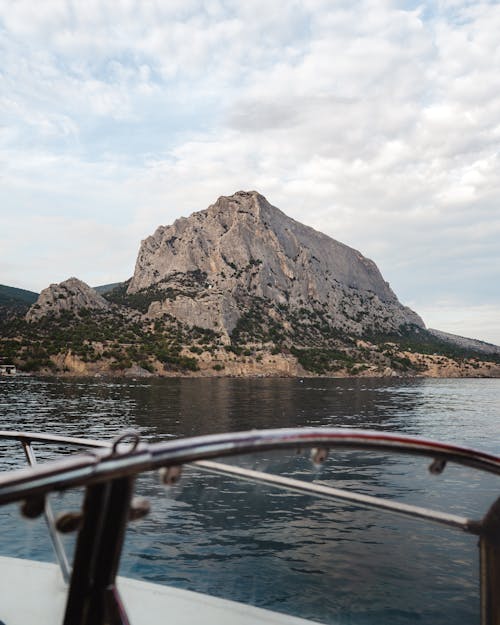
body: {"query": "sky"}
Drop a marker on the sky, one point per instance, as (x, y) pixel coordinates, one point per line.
(375, 122)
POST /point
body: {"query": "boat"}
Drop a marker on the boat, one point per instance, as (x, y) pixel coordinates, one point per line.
(7, 368)
(89, 591)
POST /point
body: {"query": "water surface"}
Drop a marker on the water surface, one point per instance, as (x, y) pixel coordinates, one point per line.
(331, 563)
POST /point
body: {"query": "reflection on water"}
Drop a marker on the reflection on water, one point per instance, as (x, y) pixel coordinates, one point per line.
(331, 563)
(334, 563)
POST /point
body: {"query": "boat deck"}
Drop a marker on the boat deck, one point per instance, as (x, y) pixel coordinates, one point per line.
(34, 592)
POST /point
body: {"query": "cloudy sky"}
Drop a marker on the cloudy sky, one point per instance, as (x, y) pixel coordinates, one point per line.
(376, 122)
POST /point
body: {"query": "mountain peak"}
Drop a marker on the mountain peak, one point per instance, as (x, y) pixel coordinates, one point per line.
(244, 197)
(250, 202)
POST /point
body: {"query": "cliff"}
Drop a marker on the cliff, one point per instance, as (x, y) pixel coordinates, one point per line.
(207, 270)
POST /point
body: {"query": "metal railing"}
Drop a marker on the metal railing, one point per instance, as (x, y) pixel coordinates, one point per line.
(107, 471)
(26, 439)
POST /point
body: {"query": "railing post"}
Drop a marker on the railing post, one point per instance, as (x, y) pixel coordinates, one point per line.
(50, 521)
(93, 598)
(489, 545)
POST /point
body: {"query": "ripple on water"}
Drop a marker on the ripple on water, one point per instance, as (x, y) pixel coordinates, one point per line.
(332, 563)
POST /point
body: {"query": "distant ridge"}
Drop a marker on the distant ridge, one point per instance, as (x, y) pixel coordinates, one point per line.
(107, 288)
(14, 301)
(13, 294)
(466, 343)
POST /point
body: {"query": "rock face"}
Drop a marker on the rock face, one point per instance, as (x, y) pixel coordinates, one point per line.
(71, 295)
(209, 267)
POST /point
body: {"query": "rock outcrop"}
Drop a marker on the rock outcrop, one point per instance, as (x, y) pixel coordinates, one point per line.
(207, 269)
(71, 295)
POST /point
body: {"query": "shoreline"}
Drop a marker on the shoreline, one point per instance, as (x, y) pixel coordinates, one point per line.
(256, 376)
(399, 364)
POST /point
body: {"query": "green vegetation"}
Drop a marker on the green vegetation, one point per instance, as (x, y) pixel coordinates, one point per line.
(107, 288)
(10, 293)
(139, 301)
(122, 337)
(94, 335)
(323, 361)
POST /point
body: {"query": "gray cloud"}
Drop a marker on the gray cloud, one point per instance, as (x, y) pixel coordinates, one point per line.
(376, 124)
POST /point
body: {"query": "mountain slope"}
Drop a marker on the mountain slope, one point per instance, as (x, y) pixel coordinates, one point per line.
(462, 342)
(10, 293)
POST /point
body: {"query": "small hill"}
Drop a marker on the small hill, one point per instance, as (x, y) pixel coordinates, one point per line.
(71, 295)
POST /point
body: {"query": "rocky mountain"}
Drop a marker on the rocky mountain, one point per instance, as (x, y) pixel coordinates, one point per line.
(71, 295)
(238, 289)
(209, 268)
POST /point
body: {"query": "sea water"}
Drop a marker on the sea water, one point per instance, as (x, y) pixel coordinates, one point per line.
(329, 562)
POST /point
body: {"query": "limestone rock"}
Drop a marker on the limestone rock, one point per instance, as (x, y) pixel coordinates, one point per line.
(71, 295)
(242, 248)
(215, 311)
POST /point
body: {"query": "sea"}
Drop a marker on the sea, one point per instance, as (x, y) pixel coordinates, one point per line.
(329, 562)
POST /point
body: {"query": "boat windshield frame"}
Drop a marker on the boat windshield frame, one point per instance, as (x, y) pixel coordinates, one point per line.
(107, 470)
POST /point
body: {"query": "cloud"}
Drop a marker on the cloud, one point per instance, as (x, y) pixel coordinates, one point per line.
(82, 247)
(479, 322)
(375, 123)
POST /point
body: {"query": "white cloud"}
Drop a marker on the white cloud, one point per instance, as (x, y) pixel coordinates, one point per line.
(376, 124)
(479, 322)
(94, 252)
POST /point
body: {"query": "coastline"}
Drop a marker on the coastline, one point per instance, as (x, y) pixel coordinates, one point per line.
(277, 366)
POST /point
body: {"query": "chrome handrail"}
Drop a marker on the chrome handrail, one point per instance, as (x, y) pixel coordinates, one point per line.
(50, 521)
(26, 439)
(322, 491)
(107, 471)
(99, 466)
(32, 437)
